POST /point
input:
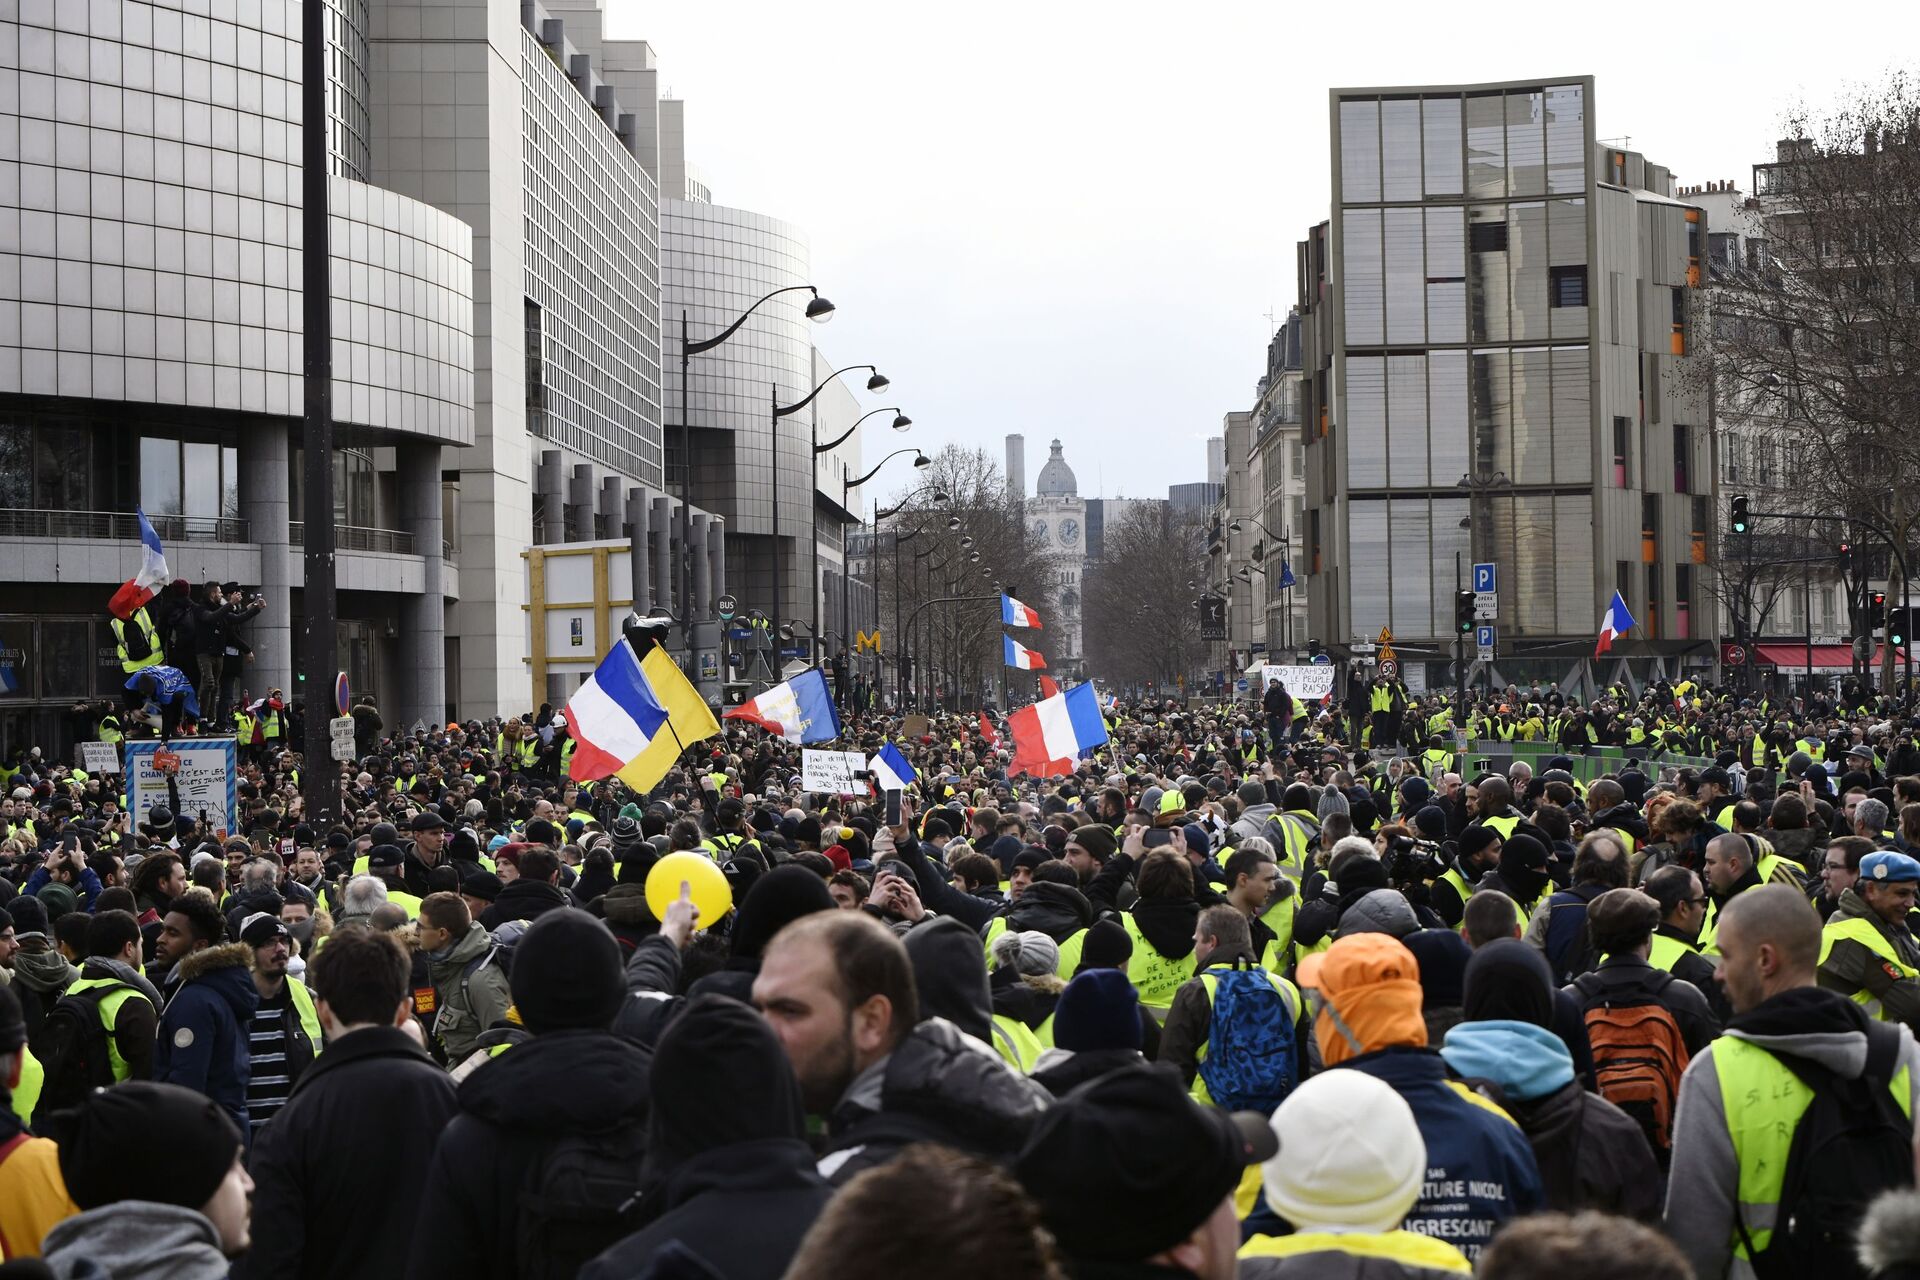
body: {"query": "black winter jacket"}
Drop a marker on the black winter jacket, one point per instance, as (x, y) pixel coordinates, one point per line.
(372, 1090)
(524, 900)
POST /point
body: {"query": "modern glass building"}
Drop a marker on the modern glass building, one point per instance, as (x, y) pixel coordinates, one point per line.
(1497, 324)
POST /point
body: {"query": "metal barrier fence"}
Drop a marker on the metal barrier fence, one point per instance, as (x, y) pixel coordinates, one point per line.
(1500, 756)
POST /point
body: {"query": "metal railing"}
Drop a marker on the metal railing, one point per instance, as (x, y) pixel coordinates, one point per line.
(449, 552)
(353, 537)
(117, 526)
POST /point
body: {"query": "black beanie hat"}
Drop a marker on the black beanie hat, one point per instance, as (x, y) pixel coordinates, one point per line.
(1507, 978)
(1096, 840)
(1108, 946)
(776, 900)
(199, 1138)
(567, 973)
(720, 1048)
(1443, 956)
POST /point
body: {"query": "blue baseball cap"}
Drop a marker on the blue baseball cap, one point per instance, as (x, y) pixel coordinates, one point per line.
(1888, 867)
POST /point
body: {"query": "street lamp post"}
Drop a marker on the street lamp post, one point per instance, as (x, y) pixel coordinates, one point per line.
(1286, 564)
(819, 310)
(847, 486)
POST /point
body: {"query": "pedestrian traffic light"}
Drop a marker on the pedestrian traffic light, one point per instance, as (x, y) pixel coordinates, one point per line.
(1898, 620)
(1741, 524)
(1843, 554)
(1876, 610)
(1463, 612)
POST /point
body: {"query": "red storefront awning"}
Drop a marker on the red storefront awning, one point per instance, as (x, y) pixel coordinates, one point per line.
(1830, 658)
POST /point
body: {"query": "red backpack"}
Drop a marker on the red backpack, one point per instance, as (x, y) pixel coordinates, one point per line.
(1639, 1054)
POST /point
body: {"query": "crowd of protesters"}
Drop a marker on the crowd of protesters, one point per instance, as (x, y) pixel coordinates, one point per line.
(1269, 989)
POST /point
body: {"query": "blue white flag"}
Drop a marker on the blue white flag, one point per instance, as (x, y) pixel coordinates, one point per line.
(891, 772)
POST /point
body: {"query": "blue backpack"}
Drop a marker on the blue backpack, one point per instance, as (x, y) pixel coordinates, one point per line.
(1250, 1063)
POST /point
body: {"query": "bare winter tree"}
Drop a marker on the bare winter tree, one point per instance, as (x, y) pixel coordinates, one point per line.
(1140, 625)
(1819, 329)
(957, 537)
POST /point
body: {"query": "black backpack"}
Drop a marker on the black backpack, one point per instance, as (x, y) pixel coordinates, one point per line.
(72, 1048)
(1853, 1142)
(582, 1198)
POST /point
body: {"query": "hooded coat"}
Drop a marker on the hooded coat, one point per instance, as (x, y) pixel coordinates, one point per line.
(512, 1112)
(136, 1240)
(1057, 910)
(467, 1002)
(524, 900)
(40, 978)
(1591, 1154)
(726, 1146)
(203, 1031)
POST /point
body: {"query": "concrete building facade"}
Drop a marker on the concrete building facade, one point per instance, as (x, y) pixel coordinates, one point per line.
(1499, 335)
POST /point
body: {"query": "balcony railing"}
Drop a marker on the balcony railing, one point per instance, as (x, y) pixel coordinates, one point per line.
(117, 526)
(353, 537)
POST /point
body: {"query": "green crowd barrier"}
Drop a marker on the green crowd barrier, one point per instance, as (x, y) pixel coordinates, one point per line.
(1493, 756)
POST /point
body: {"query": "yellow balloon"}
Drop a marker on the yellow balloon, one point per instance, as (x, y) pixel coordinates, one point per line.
(712, 895)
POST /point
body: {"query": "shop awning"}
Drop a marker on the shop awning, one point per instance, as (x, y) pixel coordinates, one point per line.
(1832, 659)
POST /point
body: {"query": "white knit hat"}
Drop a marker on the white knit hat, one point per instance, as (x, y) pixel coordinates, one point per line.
(1031, 952)
(1351, 1157)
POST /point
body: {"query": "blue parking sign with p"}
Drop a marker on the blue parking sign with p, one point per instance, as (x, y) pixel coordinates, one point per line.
(1484, 577)
(1483, 637)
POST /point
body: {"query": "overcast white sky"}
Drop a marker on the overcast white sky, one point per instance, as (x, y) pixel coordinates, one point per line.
(1071, 219)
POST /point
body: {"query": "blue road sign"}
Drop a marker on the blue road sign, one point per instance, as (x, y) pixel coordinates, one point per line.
(1320, 659)
(1485, 577)
(1483, 637)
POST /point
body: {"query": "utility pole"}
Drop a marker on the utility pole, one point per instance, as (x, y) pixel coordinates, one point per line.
(320, 780)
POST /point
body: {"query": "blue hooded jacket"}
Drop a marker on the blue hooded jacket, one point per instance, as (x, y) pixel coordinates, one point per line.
(1526, 1061)
(203, 1042)
(1480, 1167)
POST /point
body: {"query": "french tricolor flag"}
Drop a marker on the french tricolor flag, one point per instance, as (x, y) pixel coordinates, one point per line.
(1015, 614)
(1615, 623)
(1050, 735)
(136, 591)
(1022, 658)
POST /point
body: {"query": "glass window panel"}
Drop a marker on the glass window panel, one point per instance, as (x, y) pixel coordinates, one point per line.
(160, 476)
(1572, 417)
(1567, 246)
(1360, 234)
(1451, 537)
(1367, 548)
(17, 651)
(1566, 138)
(16, 465)
(1366, 414)
(1536, 556)
(1447, 311)
(1407, 421)
(1533, 439)
(1486, 147)
(230, 483)
(63, 461)
(1446, 275)
(1359, 151)
(1406, 273)
(1412, 584)
(1440, 128)
(202, 474)
(66, 658)
(1400, 149)
(1492, 411)
(1447, 414)
(1573, 584)
(1527, 271)
(1487, 290)
(1526, 144)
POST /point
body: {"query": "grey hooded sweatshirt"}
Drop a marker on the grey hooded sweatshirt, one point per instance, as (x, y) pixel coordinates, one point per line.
(136, 1240)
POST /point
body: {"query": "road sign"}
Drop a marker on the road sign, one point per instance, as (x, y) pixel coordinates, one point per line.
(340, 693)
(1486, 610)
(1483, 637)
(1389, 668)
(1320, 660)
(1364, 646)
(1485, 578)
(340, 736)
(1733, 655)
(725, 607)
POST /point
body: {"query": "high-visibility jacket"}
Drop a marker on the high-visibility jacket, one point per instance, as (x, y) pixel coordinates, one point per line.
(1434, 758)
(1861, 930)
(272, 724)
(1667, 952)
(1298, 829)
(1408, 1248)
(566, 755)
(1016, 1042)
(1069, 949)
(1381, 698)
(118, 993)
(1763, 1101)
(33, 1078)
(1278, 916)
(1210, 979)
(110, 732)
(309, 1016)
(1155, 976)
(1710, 926)
(243, 728)
(144, 634)
(1503, 823)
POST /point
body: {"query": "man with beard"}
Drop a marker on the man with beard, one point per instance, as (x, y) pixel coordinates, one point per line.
(1475, 854)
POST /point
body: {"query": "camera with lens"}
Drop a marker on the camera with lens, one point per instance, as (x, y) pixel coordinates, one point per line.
(1412, 862)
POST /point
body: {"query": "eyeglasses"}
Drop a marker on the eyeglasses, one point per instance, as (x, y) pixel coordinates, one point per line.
(1697, 902)
(1836, 866)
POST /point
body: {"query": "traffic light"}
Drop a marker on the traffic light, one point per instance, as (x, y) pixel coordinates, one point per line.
(1844, 555)
(1315, 648)
(1898, 620)
(1876, 610)
(1741, 524)
(1463, 612)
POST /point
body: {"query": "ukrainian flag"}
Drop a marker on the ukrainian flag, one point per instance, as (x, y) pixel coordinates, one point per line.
(633, 717)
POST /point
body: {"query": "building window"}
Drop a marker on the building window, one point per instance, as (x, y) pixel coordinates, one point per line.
(1620, 452)
(1488, 237)
(1678, 346)
(1649, 527)
(1756, 254)
(1623, 581)
(1682, 457)
(1567, 286)
(1682, 600)
(1650, 622)
(1723, 249)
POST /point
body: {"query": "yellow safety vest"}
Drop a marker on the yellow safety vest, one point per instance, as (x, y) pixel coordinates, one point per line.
(309, 1016)
(1409, 1247)
(1667, 952)
(1279, 917)
(1434, 758)
(109, 1007)
(110, 730)
(1155, 976)
(1210, 979)
(243, 727)
(1015, 1042)
(1296, 833)
(270, 721)
(1069, 950)
(1862, 931)
(1382, 698)
(1710, 927)
(1504, 825)
(1763, 1102)
(154, 655)
(33, 1077)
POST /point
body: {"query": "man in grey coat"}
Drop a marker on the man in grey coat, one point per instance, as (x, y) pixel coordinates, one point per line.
(469, 983)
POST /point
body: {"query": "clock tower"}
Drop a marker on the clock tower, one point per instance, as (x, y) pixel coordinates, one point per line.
(1058, 517)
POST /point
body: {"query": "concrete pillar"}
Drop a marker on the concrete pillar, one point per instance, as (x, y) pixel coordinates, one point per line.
(264, 505)
(422, 683)
(717, 556)
(551, 487)
(580, 503)
(610, 506)
(639, 551)
(702, 568)
(660, 523)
